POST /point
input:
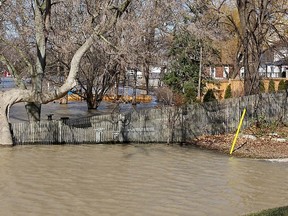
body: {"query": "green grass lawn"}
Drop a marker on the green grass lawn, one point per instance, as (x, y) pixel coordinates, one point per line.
(281, 211)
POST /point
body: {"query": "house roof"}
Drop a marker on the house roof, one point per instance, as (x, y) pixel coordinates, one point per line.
(283, 61)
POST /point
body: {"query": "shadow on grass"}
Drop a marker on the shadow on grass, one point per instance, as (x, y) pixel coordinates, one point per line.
(281, 211)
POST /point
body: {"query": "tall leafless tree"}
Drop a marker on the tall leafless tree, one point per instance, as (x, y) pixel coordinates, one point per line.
(262, 23)
(40, 23)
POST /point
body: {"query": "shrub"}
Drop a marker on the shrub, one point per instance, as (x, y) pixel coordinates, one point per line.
(271, 86)
(286, 84)
(282, 86)
(166, 96)
(228, 92)
(190, 92)
(261, 87)
(209, 96)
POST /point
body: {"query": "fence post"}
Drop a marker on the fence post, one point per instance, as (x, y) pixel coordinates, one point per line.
(60, 131)
(121, 129)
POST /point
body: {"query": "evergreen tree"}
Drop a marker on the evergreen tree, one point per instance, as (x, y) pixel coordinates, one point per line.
(182, 75)
(209, 96)
(228, 92)
(282, 86)
(261, 87)
(271, 86)
(286, 84)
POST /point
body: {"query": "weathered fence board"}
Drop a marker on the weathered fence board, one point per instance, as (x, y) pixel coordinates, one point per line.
(165, 124)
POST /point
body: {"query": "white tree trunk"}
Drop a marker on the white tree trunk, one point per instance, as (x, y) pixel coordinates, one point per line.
(6, 138)
(9, 98)
(14, 96)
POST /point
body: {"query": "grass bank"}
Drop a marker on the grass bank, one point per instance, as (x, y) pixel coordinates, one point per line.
(280, 211)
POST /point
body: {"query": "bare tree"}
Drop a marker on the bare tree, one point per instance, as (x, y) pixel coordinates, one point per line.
(258, 25)
(138, 42)
(103, 62)
(109, 15)
(145, 38)
(98, 74)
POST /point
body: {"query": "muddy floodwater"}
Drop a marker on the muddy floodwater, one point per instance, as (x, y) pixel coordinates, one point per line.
(134, 180)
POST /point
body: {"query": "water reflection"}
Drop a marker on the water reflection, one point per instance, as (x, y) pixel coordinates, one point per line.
(135, 180)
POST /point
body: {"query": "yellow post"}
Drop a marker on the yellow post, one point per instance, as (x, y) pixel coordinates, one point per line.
(237, 133)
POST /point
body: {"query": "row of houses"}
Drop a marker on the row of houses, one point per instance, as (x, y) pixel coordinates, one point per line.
(274, 64)
(277, 69)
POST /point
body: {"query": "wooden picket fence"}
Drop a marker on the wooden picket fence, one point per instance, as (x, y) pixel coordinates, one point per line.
(74, 131)
(164, 124)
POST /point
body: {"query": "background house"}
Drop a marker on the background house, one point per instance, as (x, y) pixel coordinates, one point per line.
(155, 77)
(273, 65)
(218, 71)
(274, 62)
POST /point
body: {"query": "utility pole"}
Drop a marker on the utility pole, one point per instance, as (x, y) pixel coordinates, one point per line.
(200, 74)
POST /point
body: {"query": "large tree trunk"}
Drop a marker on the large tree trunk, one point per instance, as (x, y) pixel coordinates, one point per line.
(42, 20)
(13, 96)
(146, 77)
(251, 67)
(92, 99)
(254, 29)
(33, 111)
(93, 103)
(6, 138)
(42, 10)
(9, 98)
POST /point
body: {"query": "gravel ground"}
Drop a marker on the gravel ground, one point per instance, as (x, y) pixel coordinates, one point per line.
(268, 143)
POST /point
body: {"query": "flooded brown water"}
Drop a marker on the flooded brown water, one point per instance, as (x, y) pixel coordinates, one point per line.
(135, 180)
(74, 110)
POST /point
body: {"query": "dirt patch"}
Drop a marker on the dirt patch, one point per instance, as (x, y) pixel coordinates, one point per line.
(252, 142)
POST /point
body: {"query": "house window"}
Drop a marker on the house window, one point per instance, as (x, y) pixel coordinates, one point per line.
(226, 72)
(242, 71)
(284, 72)
(212, 72)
